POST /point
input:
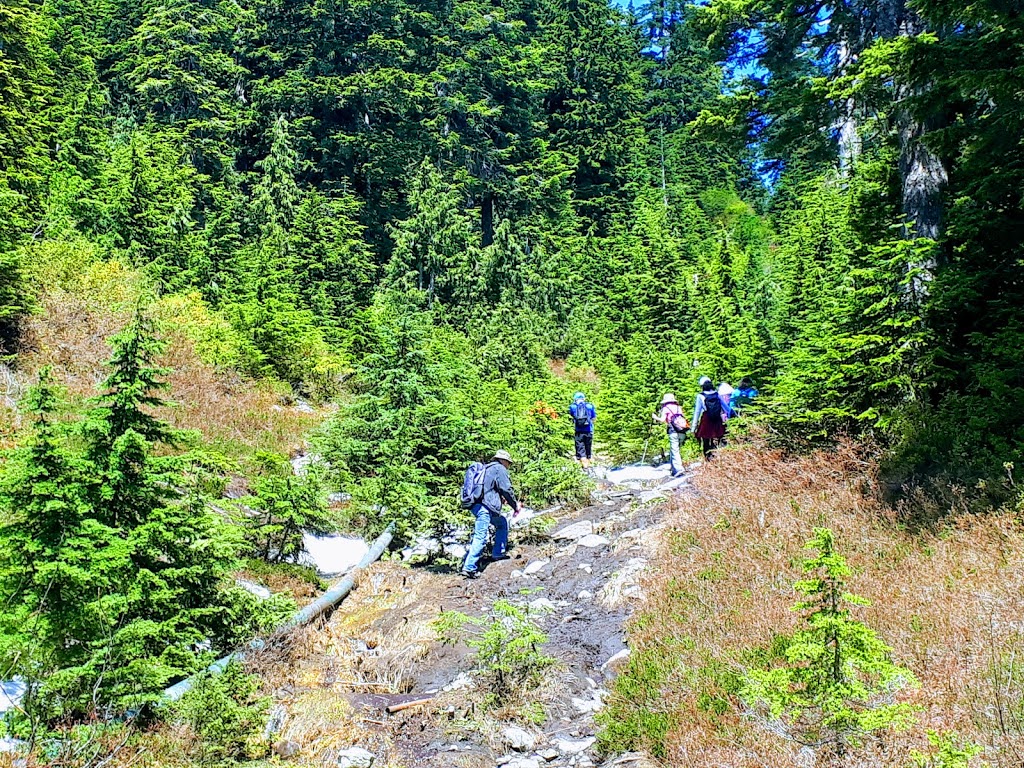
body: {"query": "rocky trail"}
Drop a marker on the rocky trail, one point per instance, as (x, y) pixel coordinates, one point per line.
(403, 698)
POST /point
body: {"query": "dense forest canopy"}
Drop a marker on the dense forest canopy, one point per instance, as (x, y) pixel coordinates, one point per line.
(415, 206)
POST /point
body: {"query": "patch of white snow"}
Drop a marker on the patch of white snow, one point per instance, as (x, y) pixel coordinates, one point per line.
(331, 555)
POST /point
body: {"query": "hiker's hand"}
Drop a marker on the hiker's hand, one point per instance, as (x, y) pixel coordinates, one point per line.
(519, 510)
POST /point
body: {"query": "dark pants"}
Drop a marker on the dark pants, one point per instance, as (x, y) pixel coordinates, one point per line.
(584, 445)
(708, 445)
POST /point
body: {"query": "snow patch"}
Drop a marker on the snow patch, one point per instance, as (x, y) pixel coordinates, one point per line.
(639, 473)
(11, 694)
(332, 555)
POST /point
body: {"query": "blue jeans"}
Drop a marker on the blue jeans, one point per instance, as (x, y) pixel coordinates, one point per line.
(484, 520)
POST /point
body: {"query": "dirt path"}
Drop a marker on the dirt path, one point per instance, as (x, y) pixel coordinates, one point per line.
(381, 649)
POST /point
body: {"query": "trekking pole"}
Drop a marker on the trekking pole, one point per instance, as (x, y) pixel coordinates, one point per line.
(647, 440)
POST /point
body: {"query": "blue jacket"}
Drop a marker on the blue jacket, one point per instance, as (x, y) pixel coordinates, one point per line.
(591, 412)
(741, 397)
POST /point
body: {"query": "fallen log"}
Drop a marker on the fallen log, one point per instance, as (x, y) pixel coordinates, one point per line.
(326, 602)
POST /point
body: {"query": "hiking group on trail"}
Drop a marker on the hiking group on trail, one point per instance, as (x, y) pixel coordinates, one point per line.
(712, 409)
(486, 487)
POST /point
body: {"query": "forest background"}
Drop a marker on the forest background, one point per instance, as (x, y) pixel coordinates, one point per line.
(445, 217)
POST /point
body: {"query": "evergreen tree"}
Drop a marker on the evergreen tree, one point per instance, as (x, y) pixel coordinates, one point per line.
(284, 507)
(116, 558)
(836, 684)
(435, 250)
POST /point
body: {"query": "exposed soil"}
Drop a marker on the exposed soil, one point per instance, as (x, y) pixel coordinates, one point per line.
(380, 649)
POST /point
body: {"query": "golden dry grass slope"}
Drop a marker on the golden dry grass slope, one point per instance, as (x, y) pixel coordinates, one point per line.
(949, 602)
(83, 299)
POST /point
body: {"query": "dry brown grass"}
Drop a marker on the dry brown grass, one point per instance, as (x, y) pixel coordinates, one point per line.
(371, 646)
(70, 332)
(950, 603)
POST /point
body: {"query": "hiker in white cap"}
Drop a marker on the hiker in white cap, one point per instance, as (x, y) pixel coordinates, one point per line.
(671, 415)
(497, 488)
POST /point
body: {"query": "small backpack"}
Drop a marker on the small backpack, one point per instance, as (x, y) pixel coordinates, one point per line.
(713, 407)
(581, 415)
(741, 398)
(473, 485)
(678, 424)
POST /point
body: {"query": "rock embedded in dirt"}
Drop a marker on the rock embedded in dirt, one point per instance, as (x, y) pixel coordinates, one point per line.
(574, 531)
(461, 682)
(573, 747)
(275, 722)
(542, 605)
(592, 541)
(286, 748)
(585, 595)
(630, 760)
(649, 496)
(535, 567)
(519, 739)
(550, 754)
(356, 757)
(617, 659)
(588, 706)
(523, 762)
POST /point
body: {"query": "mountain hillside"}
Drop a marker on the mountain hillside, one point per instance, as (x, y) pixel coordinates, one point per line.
(274, 273)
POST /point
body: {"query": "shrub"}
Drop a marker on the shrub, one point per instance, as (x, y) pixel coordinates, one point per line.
(506, 642)
(227, 715)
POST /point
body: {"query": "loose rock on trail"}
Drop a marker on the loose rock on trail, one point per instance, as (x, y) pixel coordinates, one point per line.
(411, 700)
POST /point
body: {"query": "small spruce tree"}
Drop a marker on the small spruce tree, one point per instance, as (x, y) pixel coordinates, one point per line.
(837, 682)
(286, 505)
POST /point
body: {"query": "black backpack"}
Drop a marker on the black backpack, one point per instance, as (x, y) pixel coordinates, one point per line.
(581, 415)
(712, 406)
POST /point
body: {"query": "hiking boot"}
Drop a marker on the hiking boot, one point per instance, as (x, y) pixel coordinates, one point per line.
(469, 574)
(496, 558)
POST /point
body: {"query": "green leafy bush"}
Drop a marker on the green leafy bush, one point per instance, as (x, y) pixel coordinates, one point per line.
(507, 642)
(227, 714)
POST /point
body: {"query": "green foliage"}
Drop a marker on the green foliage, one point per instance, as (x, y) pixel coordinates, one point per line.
(227, 714)
(422, 411)
(507, 644)
(837, 682)
(636, 717)
(282, 506)
(114, 558)
(948, 750)
(414, 209)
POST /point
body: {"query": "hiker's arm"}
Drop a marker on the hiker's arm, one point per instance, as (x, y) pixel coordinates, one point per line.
(698, 410)
(503, 485)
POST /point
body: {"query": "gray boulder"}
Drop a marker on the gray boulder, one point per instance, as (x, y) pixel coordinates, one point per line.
(356, 757)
